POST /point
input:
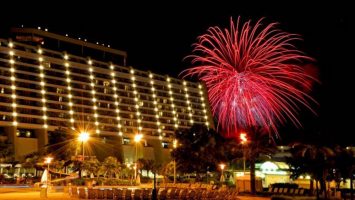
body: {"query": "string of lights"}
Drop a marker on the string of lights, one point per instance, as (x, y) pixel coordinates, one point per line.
(114, 88)
(136, 99)
(173, 107)
(156, 108)
(93, 92)
(13, 83)
(69, 89)
(188, 103)
(43, 87)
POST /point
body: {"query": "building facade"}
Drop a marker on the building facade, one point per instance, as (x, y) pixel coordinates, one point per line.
(49, 81)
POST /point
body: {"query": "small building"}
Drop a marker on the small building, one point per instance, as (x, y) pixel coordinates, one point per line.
(274, 172)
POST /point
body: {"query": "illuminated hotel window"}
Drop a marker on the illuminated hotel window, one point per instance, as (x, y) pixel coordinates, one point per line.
(126, 141)
(46, 64)
(60, 91)
(165, 144)
(106, 85)
(28, 134)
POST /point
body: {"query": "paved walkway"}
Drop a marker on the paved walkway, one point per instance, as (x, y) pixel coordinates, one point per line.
(253, 198)
(61, 195)
(32, 196)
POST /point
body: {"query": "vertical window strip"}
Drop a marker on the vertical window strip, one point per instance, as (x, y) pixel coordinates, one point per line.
(188, 103)
(114, 88)
(155, 102)
(93, 92)
(173, 107)
(136, 99)
(13, 83)
(202, 98)
(69, 89)
(43, 87)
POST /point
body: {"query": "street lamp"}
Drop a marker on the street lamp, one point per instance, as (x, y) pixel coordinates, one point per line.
(222, 166)
(175, 142)
(83, 137)
(44, 192)
(244, 140)
(48, 160)
(137, 139)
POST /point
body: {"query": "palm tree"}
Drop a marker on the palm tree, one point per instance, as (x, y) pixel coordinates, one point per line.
(259, 142)
(345, 166)
(200, 148)
(6, 153)
(110, 166)
(32, 159)
(61, 143)
(146, 165)
(315, 160)
(91, 166)
(30, 163)
(58, 166)
(167, 170)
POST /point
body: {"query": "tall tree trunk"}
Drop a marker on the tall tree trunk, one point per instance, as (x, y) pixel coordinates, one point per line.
(154, 191)
(324, 189)
(324, 183)
(311, 186)
(252, 175)
(317, 190)
(351, 186)
(80, 170)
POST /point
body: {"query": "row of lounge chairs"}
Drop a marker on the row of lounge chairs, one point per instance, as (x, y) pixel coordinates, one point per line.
(188, 185)
(145, 194)
(287, 191)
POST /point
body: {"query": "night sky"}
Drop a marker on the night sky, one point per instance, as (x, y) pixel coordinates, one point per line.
(158, 36)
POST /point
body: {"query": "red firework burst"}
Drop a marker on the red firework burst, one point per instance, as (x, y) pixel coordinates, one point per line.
(254, 75)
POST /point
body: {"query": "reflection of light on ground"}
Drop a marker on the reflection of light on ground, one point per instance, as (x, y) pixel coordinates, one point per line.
(15, 186)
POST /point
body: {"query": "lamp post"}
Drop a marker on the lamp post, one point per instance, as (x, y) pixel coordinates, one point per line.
(222, 166)
(83, 137)
(174, 161)
(244, 140)
(44, 192)
(48, 160)
(137, 139)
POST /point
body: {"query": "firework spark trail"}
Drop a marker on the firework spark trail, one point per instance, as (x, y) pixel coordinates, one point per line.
(254, 75)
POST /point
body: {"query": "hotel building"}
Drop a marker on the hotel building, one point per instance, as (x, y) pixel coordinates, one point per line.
(50, 81)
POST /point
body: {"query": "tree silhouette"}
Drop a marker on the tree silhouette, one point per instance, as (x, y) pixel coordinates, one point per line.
(200, 148)
(91, 166)
(147, 165)
(315, 160)
(61, 144)
(259, 142)
(110, 166)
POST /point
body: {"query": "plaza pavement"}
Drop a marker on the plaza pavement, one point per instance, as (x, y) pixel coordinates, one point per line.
(61, 195)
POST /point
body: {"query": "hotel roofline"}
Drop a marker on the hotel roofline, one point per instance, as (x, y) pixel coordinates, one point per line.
(39, 32)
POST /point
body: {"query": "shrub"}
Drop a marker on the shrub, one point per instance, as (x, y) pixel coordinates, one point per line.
(78, 181)
(145, 180)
